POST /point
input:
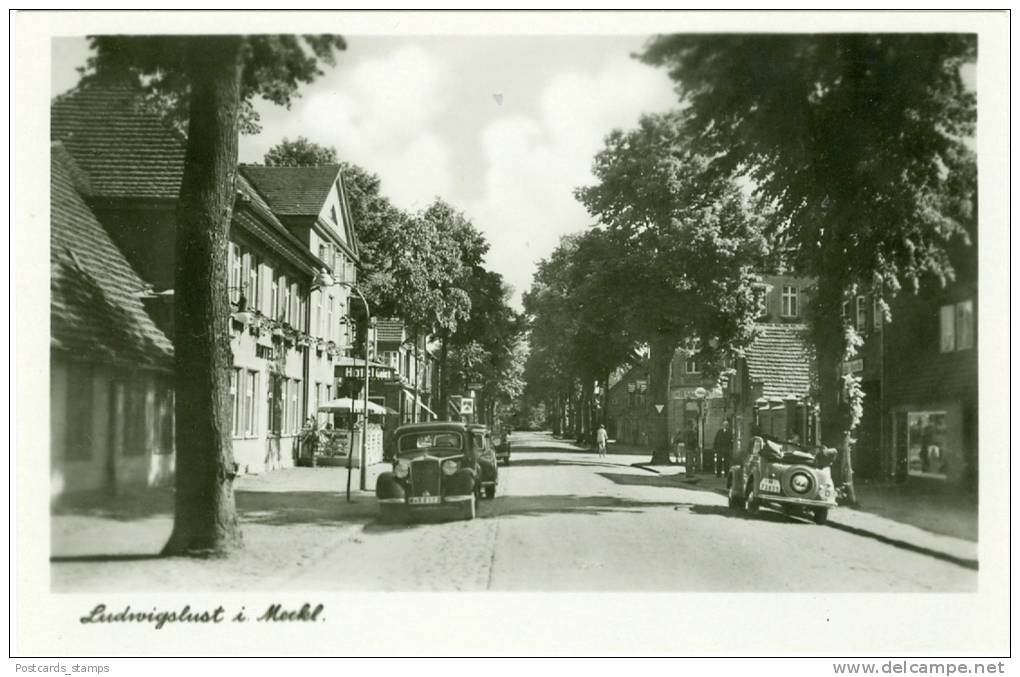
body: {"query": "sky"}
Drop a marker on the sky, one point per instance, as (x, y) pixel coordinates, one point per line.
(503, 128)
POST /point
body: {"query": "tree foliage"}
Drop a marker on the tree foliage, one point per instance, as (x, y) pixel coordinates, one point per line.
(859, 144)
(300, 153)
(273, 67)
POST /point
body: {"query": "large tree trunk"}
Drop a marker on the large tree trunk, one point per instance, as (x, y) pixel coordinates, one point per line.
(205, 517)
(660, 368)
(587, 420)
(830, 347)
(557, 416)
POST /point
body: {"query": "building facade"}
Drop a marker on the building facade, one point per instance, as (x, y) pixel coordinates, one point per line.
(292, 260)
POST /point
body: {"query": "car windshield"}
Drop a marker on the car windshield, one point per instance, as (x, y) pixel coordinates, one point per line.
(430, 441)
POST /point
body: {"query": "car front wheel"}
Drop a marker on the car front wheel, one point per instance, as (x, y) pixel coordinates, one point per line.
(735, 501)
(750, 498)
(821, 515)
(469, 509)
(490, 492)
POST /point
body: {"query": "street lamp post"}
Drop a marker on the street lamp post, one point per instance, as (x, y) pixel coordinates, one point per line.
(326, 280)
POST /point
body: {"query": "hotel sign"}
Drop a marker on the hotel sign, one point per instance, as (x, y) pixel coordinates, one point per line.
(357, 372)
(853, 366)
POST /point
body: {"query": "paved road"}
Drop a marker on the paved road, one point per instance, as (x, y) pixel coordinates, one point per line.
(562, 520)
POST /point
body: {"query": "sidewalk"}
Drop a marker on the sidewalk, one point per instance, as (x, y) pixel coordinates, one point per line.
(919, 517)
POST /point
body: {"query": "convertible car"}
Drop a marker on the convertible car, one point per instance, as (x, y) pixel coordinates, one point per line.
(785, 476)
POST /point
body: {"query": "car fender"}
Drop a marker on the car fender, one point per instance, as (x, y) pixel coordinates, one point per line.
(388, 486)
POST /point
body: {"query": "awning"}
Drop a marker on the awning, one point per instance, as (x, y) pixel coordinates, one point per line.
(344, 404)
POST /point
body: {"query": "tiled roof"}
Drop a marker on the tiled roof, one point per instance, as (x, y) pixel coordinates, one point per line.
(125, 151)
(95, 309)
(293, 191)
(389, 330)
(780, 359)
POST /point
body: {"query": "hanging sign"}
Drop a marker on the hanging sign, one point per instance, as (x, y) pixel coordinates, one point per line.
(467, 406)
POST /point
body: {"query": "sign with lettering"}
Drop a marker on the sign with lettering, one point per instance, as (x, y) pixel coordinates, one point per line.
(474, 386)
(853, 366)
(376, 372)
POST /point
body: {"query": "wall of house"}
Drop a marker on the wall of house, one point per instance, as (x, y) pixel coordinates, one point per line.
(110, 429)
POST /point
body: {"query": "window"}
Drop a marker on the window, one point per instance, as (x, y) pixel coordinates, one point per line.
(862, 314)
(965, 325)
(295, 406)
(251, 405)
(789, 301)
(282, 299)
(844, 311)
(253, 292)
(876, 312)
(332, 215)
(134, 411)
(692, 366)
(234, 254)
(79, 412)
(277, 401)
(956, 326)
(318, 313)
(274, 300)
(329, 319)
(295, 305)
(235, 402)
(322, 251)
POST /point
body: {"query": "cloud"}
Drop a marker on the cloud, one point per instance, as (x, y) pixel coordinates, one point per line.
(533, 163)
(380, 114)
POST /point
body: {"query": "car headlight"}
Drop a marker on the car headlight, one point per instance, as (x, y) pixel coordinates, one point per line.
(403, 469)
(449, 467)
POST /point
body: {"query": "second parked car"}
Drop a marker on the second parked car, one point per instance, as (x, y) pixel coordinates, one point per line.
(783, 475)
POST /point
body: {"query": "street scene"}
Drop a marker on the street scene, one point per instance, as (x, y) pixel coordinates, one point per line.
(678, 312)
(562, 519)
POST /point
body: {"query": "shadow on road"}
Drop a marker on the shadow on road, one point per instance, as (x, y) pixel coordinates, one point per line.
(105, 558)
(545, 462)
(677, 481)
(760, 516)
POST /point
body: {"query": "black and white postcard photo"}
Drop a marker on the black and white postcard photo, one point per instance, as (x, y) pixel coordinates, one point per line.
(617, 333)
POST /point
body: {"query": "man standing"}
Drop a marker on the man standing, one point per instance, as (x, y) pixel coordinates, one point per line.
(721, 447)
(601, 438)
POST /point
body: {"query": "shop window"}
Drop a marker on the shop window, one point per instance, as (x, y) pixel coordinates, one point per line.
(926, 443)
(956, 326)
(79, 412)
(790, 301)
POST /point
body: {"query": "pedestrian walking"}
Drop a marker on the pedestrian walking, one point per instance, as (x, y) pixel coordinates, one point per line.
(692, 446)
(601, 438)
(722, 447)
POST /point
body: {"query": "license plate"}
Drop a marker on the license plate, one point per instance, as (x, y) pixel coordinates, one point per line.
(419, 500)
(771, 486)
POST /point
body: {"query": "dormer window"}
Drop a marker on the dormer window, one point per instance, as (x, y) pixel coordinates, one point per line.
(332, 213)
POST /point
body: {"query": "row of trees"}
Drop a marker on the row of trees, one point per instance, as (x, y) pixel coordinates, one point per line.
(854, 151)
(425, 268)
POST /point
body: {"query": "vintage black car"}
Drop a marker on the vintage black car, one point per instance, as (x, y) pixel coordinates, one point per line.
(784, 475)
(481, 439)
(435, 472)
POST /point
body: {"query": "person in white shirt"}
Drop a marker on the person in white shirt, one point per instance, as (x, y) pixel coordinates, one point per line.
(601, 438)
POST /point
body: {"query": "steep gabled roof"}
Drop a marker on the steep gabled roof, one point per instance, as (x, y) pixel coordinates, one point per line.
(294, 191)
(126, 151)
(96, 312)
(781, 360)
